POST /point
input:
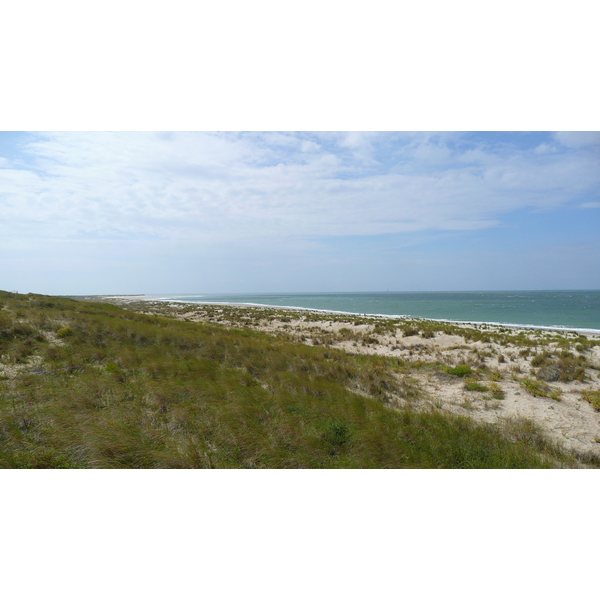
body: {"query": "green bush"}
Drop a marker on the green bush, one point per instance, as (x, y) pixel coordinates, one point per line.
(540, 359)
(563, 366)
(460, 371)
(474, 386)
(410, 331)
(536, 388)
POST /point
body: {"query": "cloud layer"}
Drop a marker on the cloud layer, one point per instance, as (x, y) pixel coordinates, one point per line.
(280, 210)
(219, 186)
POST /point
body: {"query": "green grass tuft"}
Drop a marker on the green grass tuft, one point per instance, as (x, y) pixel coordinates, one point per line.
(472, 385)
(460, 371)
(593, 397)
(536, 388)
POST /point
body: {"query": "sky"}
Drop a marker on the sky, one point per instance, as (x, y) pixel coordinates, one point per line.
(251, 212)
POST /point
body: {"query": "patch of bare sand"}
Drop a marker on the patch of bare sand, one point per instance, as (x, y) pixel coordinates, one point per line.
(571, 422)
(12, 370)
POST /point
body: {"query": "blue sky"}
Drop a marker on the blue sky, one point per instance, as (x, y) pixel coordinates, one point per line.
(94, 213)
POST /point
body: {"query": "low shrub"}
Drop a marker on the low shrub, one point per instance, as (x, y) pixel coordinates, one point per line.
(497, 391)
(474, 386)
(410, 331)
(536, 388)
(460, 371)
(559, 367)
(540, 359)
(593, 397)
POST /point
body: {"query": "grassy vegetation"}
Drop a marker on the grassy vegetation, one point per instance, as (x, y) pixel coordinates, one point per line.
(473, 385)
(460, 371)
(560, 366)
(92, 385)
(537, 388)
(496, 391)
(593, 397)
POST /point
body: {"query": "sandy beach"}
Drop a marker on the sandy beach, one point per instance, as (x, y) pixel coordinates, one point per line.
(511, 377)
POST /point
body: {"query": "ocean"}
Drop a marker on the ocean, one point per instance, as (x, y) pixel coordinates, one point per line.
(565, 309)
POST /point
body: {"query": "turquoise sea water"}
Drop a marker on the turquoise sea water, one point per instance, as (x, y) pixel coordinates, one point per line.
(570, 309)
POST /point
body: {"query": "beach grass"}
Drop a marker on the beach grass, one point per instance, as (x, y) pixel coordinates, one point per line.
(593, 397)
(92, 385)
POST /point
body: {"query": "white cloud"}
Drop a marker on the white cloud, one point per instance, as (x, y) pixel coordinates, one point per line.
(360, 144)
(544, 149)
(578, 139)
(308, 146)
(590, 205)
(228, 187)
(476, 156)
(433, 154)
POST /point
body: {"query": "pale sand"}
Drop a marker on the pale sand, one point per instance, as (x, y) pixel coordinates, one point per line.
(572, 421)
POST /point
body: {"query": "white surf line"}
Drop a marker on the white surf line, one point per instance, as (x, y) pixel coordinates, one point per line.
(559, 328)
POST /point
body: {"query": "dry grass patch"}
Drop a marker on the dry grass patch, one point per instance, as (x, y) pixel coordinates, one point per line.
(593, 397)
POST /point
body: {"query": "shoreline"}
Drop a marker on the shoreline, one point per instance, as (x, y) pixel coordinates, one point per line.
(556, 328)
